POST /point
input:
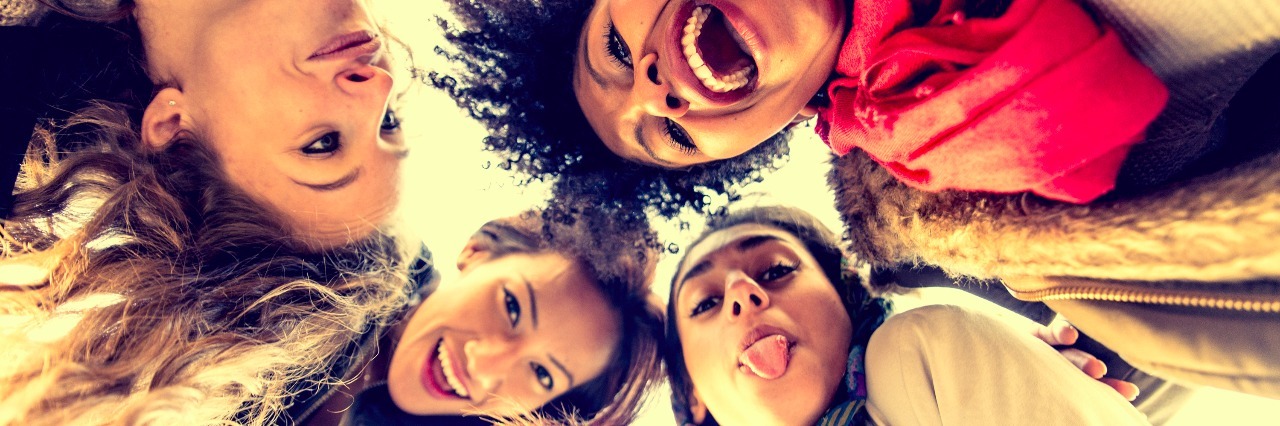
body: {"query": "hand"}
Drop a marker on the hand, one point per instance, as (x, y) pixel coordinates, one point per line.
(1059, 333)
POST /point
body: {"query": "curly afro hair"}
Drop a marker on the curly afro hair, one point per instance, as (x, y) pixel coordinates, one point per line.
(514, 73)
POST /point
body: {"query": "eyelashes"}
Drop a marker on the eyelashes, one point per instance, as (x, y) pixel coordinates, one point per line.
(512, 306)
(677, 138)
(325, 145)
(615, 47)
(390, 122)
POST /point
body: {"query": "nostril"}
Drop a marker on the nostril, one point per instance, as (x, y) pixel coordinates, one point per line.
(653, 73)
(357, 78)
(672, 102)
(756, 300)
(737, 308)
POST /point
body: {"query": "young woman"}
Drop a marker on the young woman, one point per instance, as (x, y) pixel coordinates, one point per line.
(203, 251)
(551, 318)
(547, 316)
(787, 334)
(300, 124)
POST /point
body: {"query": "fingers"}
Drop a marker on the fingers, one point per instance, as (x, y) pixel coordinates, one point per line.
(1057, 333)
(1087, 363)
(1127, 390)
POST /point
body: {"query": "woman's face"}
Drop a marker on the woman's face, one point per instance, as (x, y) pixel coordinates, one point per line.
(681, 82)
(765, 336)
(510, 335)
(293, 96)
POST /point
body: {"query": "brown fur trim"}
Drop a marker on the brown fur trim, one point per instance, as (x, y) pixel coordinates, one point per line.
(1220, 227)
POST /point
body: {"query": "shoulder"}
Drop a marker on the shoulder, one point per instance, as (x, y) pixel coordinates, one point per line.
(929, 322)
(941, 334)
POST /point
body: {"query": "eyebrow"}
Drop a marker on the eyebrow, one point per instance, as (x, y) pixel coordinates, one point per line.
(342, 182)
(586, 57)
(644, 144)
(562, 369)
(744, 245)
(533, 302)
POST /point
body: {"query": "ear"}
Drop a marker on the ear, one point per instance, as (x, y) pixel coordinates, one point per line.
(697, 408)
(478, 249)
(164, 118)
(809, 111)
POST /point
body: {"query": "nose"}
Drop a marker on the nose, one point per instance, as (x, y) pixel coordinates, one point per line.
(489, 361)
(652, 92)
(365, 82)
(744, 295)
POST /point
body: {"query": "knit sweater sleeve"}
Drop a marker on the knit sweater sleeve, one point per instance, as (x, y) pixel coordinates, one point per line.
(1204, 52)
(945, 365)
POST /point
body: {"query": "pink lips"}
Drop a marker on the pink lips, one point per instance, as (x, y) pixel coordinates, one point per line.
(433, 376)
(348, 46)
(760, 332)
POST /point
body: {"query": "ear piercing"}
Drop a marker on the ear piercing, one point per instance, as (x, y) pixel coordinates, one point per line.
(173, 103)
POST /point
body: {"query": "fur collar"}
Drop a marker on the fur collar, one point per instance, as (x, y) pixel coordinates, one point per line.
(1219, 227)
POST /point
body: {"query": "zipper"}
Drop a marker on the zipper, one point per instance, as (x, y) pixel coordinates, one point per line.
(1154, 296)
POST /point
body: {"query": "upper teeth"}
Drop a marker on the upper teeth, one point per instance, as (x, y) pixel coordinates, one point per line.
(447, 366)
(692, 29)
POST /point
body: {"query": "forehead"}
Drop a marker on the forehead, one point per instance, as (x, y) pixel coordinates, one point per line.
(718, 242)
(574, 317)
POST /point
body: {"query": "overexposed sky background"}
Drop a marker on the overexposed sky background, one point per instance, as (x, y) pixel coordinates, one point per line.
(451, 187)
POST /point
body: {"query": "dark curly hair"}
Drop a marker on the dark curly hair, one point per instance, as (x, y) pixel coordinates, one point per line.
(514, 73)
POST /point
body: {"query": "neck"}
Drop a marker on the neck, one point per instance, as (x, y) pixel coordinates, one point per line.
(167, 38)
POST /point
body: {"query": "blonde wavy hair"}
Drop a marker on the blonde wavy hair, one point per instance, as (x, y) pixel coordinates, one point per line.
(171, 297)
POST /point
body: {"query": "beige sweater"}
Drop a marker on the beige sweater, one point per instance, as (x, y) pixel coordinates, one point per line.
(946, 365)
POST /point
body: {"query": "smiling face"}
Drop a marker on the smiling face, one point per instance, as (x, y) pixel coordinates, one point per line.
(765, 336)
(292, 95)
(681, 82)
(510, 335)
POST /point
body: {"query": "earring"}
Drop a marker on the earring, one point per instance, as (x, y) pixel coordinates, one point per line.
(173, 103)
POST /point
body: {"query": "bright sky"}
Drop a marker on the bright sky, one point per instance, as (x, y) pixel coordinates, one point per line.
(451, 187)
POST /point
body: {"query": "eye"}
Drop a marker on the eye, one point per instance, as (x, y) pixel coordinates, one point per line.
(512, 305)
(390, 122)
(677, 137)
(704, 305)
(326, 144)
(617, 48)
(544, 376)
(776, 272)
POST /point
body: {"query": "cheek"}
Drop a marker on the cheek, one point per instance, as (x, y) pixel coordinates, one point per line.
(734, 135)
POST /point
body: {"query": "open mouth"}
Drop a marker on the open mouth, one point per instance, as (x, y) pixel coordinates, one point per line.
(440, 376)
(715, 53)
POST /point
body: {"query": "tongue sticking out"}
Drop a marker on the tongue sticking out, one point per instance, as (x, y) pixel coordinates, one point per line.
(767, 357)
